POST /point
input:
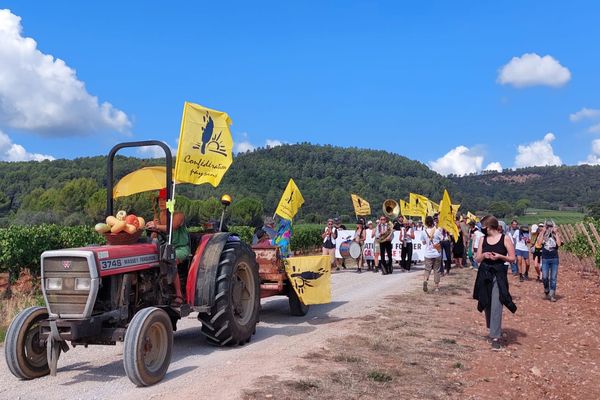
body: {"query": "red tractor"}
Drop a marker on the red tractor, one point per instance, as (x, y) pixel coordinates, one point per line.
(123, 293)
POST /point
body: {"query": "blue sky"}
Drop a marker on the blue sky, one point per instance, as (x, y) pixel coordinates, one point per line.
(433, 81)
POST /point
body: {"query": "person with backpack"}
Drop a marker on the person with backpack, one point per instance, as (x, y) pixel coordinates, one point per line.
(550, 240)
(521, 241)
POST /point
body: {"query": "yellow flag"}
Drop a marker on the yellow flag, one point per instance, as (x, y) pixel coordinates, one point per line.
(361, 206)
(405, 210)
(472, 217)
(205, 146)
(455, 208)
(446, 217)
(290, 202)
(311, 278)
(418, 204)
(432, 208)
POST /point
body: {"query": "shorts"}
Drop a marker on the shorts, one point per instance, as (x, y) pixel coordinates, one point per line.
(330, 253)
(537, 254)
(522, 253)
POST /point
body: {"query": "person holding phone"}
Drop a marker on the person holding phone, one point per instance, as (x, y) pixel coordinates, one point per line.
(432, 240)
(491, 286)
(550, 240)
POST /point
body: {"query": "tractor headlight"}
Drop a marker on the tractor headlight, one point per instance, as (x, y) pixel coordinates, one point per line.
(82, 283)
(54, 283)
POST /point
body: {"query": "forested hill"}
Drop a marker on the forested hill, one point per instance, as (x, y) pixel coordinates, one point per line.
(545, 187)
(71, 191)
(326, 176)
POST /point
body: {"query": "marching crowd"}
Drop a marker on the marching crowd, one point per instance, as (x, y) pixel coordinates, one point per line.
(489, 246)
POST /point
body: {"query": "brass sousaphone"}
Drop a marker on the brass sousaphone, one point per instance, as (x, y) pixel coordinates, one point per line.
(391, 209)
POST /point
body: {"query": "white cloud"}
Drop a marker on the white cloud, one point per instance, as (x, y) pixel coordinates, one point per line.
(532, 70)
(41, 93)
(538, 153)
(10, 151)
(243, 145)
(594, 128)
(594, 157)
(459, 161)
(584, 113)
(493, 166)
(155, 151)
(273, 143)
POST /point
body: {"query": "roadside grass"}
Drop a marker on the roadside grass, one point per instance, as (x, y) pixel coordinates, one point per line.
(410, 348)
(9, 308)
(537, 215)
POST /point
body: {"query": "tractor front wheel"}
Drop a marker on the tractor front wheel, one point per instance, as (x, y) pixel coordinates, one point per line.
(297, 307)
(25, 353)
(233, 317)
(148, 346)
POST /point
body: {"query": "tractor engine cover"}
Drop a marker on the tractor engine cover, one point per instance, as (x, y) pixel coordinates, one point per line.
(121, 259)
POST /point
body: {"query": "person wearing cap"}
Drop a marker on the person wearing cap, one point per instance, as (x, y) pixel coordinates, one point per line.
(329, 237)
(550, 240)
(179, 239)
(268, 228)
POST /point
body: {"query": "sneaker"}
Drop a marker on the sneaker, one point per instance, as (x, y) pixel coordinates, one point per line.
(437, 289)
(521, 279)
(359, 270)
(526, 277)
(337, 268)
(496, 346)
(425, 286)
(553, 299)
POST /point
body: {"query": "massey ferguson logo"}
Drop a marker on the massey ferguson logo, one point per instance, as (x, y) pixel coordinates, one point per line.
(66, 264)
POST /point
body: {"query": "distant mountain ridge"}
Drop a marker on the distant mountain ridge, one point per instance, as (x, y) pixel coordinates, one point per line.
(326, 176)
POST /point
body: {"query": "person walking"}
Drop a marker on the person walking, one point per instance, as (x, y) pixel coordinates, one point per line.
(383, 235)
(514, 227)
(458, 247)
(521, 240)
(360, 236)
(329, 237)
(432, 239)
(536, 249)
(491, 285)
(446, 252)
(408, 234)
(550, 240)
(370, 257)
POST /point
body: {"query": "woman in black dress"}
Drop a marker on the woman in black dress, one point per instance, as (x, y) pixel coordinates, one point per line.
(458, 248)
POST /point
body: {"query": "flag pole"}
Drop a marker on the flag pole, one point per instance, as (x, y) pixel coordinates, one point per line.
(171, 213)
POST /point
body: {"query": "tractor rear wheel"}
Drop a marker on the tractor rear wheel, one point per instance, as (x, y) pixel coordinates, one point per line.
(148, 346)
(25, 354)
(297, 307)
(233, 317)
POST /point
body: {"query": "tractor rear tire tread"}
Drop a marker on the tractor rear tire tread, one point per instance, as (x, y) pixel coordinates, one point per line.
(220, 325)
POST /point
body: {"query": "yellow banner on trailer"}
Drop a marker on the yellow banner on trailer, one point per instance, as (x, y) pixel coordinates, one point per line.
(310, 277)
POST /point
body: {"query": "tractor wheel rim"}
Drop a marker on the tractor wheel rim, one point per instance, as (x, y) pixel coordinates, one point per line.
(154, 347)
(34, 351)
(243, 293)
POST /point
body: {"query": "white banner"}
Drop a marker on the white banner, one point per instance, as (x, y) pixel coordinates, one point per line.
(371, 250)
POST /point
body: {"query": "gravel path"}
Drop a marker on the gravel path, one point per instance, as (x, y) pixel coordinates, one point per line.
(199, 370)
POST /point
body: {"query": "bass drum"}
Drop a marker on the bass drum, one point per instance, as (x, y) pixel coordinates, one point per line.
(355, 250)
(345, 248)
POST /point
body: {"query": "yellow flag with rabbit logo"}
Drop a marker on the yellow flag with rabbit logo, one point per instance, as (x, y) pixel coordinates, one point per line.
(205, 146)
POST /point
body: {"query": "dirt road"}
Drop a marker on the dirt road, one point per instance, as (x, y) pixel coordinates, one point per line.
(199, 370)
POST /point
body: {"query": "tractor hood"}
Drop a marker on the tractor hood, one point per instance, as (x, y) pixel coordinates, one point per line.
(120, 259)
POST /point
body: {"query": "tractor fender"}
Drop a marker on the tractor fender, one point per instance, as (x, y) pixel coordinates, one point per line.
(202, 276)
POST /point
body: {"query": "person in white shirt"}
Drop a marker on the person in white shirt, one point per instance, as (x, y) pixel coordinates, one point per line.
(329, 236)
(521, 240)
(408, 234)
(431, 239)
(475, 237)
